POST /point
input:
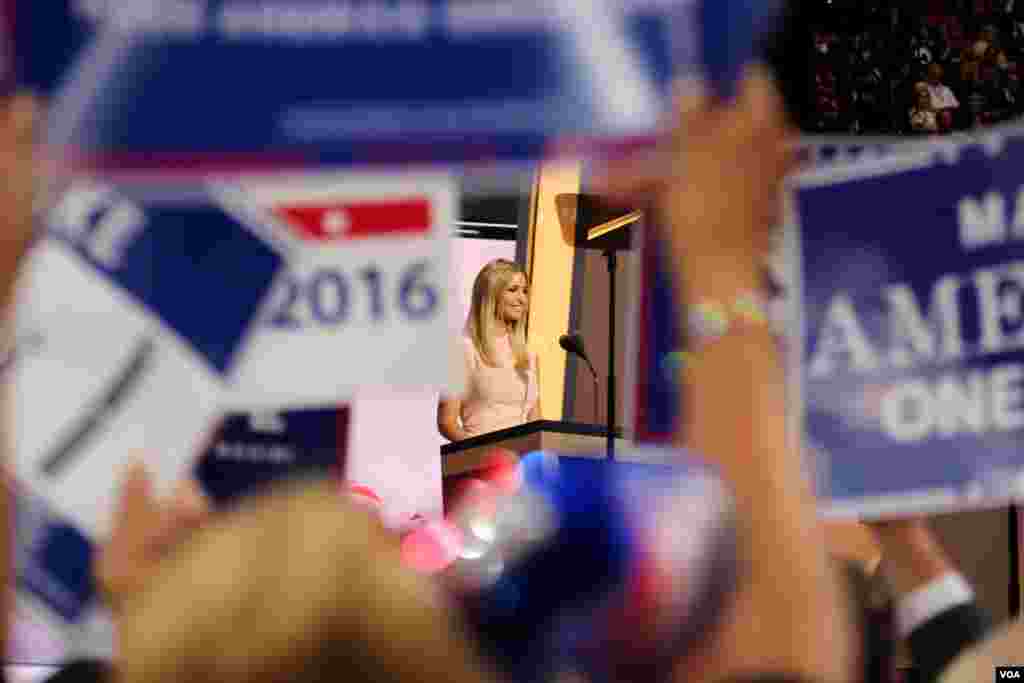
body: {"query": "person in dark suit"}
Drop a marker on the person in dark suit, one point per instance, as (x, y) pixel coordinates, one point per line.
(1003, 647)
(935, 609)
(871, 618)
(83, 671)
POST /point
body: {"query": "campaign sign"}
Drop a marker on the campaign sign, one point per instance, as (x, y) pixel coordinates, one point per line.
(364, 299)
(129, 320)
(911, 284)
(254, 450)
(132, 311)
(826, 151)
(189, 83)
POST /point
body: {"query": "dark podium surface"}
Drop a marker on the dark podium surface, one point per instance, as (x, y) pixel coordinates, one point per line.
(568, 438)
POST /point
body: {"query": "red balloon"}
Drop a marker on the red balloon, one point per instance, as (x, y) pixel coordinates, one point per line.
(431, 548)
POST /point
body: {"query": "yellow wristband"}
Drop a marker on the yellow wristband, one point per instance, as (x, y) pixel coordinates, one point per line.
(710, 320)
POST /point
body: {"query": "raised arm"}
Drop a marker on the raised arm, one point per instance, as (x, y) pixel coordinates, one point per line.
(18, 120)
(719, 196)
(535, 412)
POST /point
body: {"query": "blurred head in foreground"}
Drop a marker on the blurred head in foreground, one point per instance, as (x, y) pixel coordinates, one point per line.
(296, 585)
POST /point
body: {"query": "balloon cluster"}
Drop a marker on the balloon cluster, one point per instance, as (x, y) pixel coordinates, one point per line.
(584, 566)
(436, 545)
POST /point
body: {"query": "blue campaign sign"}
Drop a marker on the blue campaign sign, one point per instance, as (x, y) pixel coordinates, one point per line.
(193, 265)
(341, 81)
(912, 373)
(252, 451)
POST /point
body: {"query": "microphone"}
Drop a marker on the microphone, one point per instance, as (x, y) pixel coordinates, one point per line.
(573, 343)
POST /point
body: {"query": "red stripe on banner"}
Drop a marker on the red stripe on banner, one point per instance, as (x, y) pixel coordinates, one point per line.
(359, 220)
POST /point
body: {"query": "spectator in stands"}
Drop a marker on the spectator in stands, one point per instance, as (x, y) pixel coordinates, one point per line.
(923, 118)
(982, 95)
(925, 46)
(864, 73)
(974, 92)
(971, 59)
(823, 43)
(990, 34)
(944, 102)
(1011, 91)
(1015, 39)
(869, 86)
(827, 100)
(1000, 98)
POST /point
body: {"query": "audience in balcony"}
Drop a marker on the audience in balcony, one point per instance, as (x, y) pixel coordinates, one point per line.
(868, 61)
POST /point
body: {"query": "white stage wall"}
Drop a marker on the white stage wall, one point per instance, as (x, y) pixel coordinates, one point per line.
(393, 446)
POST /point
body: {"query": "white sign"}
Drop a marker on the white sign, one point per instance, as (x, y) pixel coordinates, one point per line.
(96, 384)
(131, 315)
(364, 299)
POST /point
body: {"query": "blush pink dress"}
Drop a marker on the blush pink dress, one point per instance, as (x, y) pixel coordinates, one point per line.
(496, 397)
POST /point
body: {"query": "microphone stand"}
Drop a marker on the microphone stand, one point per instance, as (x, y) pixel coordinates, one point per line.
(578, 351)
(597, 389)
(612, 259)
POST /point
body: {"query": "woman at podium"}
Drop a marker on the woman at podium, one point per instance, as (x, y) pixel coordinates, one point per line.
(502, 376)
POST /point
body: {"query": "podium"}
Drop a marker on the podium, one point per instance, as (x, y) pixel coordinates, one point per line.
(461, 458)
(573, 442)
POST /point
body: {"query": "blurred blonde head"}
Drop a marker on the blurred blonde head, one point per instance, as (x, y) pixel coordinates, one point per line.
(488, 317)
(297, 585)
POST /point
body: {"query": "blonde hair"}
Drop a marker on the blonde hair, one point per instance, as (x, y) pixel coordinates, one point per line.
(481, 327)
